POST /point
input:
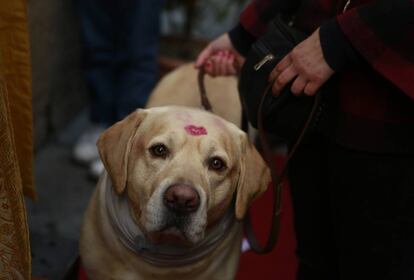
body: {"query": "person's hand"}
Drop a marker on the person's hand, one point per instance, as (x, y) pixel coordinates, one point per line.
(305, 65)
(220, 58)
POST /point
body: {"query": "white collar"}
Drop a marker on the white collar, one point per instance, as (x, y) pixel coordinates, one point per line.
(131, 236)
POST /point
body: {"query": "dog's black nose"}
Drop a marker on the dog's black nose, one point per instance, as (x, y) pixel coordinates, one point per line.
(181, 199)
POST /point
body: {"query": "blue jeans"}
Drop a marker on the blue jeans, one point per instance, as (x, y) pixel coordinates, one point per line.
(120, 40)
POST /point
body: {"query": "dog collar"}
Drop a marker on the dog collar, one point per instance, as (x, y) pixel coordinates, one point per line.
(131, 236)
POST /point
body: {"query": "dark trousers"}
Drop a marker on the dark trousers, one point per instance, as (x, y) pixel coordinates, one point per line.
(120, 40)
(354, 213)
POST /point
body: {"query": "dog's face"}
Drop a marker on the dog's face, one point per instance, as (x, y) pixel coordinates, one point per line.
(181, 168)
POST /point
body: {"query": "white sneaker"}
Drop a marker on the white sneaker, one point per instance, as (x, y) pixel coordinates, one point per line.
(96, 168)
(85, 150)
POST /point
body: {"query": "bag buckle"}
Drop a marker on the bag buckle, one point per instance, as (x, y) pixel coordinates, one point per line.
(262, 62)
(346, 6)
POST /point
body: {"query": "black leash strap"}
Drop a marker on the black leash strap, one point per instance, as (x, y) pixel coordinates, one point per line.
(277, 179)
(203, 94)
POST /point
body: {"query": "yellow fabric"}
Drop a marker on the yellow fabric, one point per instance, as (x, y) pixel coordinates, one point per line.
(15, 70)
(14, 236)
(16, 148)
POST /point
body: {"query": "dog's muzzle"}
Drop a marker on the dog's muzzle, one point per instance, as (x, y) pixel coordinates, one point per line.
(131, 236)
(181, 199)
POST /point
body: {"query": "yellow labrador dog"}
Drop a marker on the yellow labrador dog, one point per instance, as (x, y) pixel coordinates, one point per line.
(178, 182)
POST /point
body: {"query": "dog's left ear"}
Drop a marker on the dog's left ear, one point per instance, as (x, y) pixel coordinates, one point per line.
(114, 145)
(254, 177)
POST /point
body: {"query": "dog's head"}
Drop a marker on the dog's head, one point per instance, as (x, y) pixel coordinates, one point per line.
(181, 168)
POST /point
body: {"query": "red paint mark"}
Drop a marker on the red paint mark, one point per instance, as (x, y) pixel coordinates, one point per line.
(195, 130)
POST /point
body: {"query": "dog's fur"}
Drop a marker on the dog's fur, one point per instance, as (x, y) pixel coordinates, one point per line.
(132, 169)
(181, 88)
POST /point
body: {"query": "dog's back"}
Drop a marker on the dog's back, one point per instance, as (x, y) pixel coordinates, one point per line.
(180, 87)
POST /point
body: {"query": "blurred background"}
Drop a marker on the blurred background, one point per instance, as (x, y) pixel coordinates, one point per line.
(60, 113)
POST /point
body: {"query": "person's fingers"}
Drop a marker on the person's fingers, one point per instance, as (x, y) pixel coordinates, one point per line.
(311, 88)
(280, 67)
(222, 64)
(216, 64)
(203, 56)
(227, 64)
(211, 66)
(208, 67)
(231, 68)
(298, 85)
(221, 60)
(229, 59)
(285, 77)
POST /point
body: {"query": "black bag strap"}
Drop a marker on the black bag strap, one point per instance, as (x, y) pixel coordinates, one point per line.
(277, 179)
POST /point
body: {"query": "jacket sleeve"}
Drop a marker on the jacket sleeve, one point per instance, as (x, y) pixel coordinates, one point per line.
(337, 50)
(382, 32)
(254, 20)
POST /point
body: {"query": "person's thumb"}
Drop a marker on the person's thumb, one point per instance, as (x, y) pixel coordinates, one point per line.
(203, 57)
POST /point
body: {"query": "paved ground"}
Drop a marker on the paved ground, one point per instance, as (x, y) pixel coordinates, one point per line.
(63, 189)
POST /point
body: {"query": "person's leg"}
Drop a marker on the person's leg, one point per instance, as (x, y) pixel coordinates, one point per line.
(312, 218)
(373, 197)
(98, 39)
(137, 51)
(97, 34)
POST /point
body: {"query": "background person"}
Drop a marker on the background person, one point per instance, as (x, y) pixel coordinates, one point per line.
(120, 40)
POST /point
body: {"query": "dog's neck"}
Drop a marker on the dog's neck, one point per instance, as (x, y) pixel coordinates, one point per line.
(132, 237)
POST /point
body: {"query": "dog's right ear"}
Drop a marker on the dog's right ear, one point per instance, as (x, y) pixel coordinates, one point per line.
(254, 177)
(114, 145)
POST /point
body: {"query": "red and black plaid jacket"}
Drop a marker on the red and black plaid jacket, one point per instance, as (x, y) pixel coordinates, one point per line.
(372, 106)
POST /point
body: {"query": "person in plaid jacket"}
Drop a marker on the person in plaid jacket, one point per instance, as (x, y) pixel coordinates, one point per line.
(352, 181)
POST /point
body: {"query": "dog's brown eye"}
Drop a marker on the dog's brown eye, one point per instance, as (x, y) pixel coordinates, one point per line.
(217, 164)
(159, 150)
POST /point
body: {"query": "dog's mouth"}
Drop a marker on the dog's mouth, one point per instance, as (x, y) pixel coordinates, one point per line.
(170, 236)
(174, 232)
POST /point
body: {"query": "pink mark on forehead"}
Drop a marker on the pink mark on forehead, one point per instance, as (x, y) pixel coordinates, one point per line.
(195, 130)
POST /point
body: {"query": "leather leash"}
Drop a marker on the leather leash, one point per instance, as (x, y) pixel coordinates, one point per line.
(277, 179)
(203, 94)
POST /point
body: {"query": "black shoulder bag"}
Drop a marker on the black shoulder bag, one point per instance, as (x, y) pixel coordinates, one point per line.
(286, 114)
